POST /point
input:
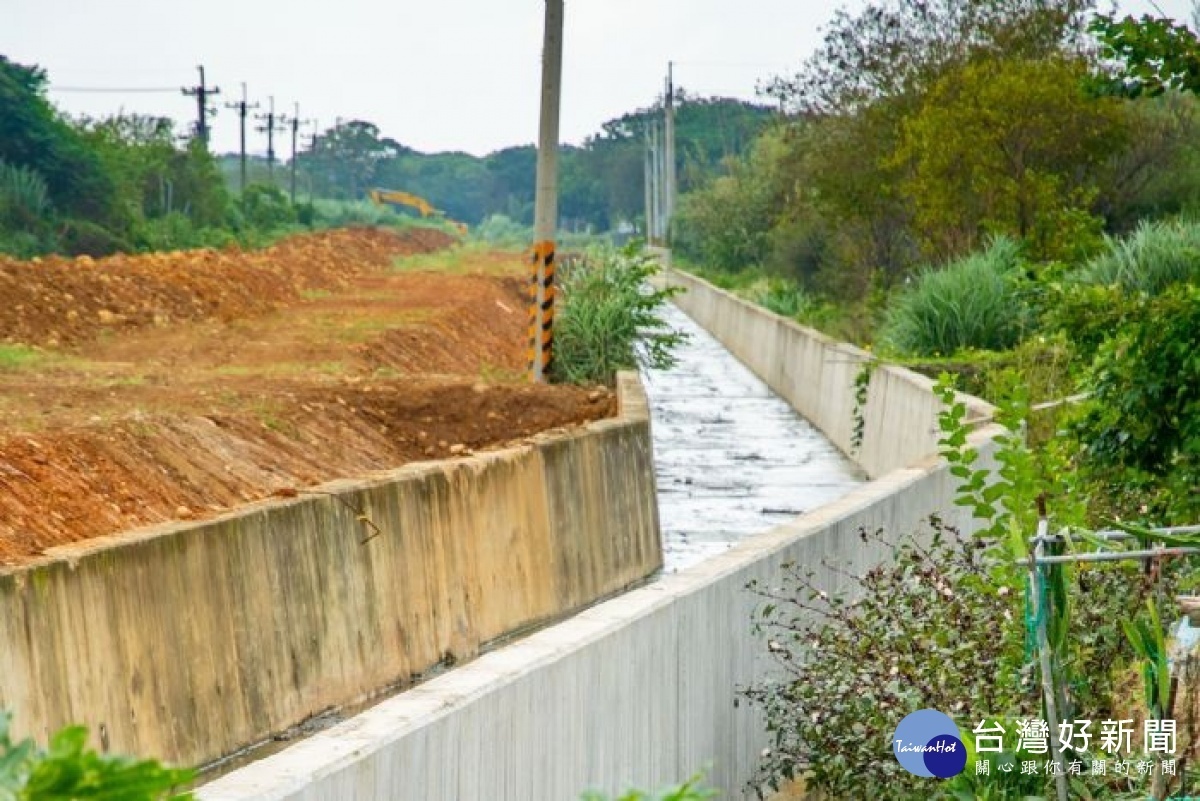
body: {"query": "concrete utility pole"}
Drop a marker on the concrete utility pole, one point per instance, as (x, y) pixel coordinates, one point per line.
(274, 122)
(541, 317)
(669, 193)
(202, 92)
(296, 123)
(656, 178)
(242, 107)
(648, 186)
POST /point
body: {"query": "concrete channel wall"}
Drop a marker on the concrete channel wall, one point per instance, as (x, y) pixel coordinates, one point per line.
(816, 375)
(640, 690)
(189, 642)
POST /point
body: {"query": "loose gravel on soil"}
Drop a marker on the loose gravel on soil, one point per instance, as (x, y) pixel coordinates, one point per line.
(142, 389)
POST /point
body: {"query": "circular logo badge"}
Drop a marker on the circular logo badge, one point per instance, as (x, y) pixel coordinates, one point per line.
(927, 743)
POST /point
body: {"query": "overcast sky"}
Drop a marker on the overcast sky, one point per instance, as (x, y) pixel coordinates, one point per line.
(449, 75)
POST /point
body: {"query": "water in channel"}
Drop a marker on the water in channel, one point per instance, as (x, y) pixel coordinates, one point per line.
(732, 458)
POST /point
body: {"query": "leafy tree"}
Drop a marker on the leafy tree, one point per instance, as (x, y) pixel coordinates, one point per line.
(1157, 54)
(344, 162)
(1008, 146)
(34, 136)
(729, 223)
(894, 48)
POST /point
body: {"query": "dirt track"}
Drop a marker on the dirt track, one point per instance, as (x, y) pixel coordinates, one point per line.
(175, 386)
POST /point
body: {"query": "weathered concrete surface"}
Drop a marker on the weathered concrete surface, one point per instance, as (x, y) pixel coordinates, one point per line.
(732, 458)
(637, 691)
(190, 642)
(640, 690)
(816, 374)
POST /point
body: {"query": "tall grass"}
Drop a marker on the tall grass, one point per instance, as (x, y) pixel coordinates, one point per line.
(973, 303)
(609, 319)
(785, 298)
(1153, 257)
(24, 199)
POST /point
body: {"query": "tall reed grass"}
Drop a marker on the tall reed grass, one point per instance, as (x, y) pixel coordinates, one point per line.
(973, 303)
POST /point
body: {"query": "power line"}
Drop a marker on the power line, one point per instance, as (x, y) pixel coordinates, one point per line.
(242, 107)
(114, 89)
(272, 122)
(202, 92)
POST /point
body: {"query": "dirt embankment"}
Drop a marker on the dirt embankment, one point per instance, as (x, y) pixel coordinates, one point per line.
(175, 386)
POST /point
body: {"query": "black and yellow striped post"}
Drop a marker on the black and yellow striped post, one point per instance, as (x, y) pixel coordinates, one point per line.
(541, 310)
(545, 207)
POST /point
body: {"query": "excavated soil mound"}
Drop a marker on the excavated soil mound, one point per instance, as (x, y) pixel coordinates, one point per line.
(180, 385)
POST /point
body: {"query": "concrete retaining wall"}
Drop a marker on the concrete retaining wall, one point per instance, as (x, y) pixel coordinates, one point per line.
(816, 375)
(189, 642)
(639, 690)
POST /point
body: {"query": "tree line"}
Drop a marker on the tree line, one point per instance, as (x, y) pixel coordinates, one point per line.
(600, 181)
(920, 129)
(131, 182)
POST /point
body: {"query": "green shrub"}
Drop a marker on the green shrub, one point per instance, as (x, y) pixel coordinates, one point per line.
(691, 790)
(1141, 428)
(24, 198)
(926, 631)
(498, 229)
(975, 302)
(23, 245)
(69, 771)
(176, 231)
(609, 318)
(267, 207)
(1155, 256)
(84, 238)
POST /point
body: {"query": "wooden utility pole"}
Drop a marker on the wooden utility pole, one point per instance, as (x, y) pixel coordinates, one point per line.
(202, 92)
(541, 315)
(242, 108)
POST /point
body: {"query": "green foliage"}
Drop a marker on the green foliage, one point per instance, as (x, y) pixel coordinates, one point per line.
(25, 212)
(928, 627)
(1149, 643)
(1008, 146)
(501, 230)
(69, 771)
(728, 224)
(24, 199)
(33, 135)
(895, 48)
(86, 238)
(691, 790)
(785, 298)
(1152, 258)
(1157, 54)
(609, 318)
(1141, 427)
(15, 357)
(975, 302)
(266, 207)
(862, 389)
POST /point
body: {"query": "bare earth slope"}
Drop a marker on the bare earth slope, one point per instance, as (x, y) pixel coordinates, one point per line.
(140, 389)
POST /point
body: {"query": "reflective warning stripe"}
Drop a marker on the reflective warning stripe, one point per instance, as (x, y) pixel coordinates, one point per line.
(542, 276)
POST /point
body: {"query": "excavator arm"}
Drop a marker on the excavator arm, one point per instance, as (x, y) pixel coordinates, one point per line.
(382, 197)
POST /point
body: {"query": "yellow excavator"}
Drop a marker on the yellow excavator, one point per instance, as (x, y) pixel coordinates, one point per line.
(381, 197)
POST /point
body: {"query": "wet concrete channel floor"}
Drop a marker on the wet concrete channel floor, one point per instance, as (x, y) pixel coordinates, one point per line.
(732, 458)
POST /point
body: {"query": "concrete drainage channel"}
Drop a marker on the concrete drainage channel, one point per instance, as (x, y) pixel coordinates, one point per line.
(732, 459)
